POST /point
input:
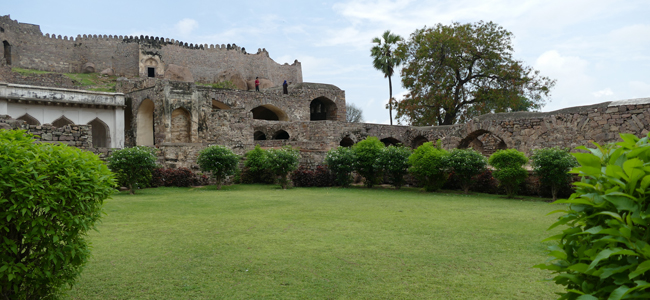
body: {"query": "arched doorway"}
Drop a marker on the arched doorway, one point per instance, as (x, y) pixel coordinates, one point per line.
(181, 126)
(7, 52)
(101, 134)
(418, 141)
(144, 133)
(391, 141)
(281, 135)
(322, 108)
(269, 112)
(29, 120)
(346, 142)
(259, 136)
(62, 121)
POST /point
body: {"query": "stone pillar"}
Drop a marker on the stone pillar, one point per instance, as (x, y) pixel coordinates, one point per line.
(118, 134)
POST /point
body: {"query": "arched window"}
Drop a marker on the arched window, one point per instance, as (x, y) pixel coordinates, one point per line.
(346, 142)
(62, 121)
(391, 141)
(259, 136)
(269, 112)
(322, 108)
(181, 126)
(7, 52)
(29, 120)
(281, 135)
(101, 134)
(144, 133)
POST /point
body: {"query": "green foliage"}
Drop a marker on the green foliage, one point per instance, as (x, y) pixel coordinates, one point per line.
(456, 72)
(367, 152)
(341, 162)
(394, 160)
(24, 72)
(552, 166)
(50, 196)
(133, 166)
(509, 169)
(604, 252)
(466, 165)
(429, 166)
(218, 160)
(256, 159)
(283, 161)
(385, 60)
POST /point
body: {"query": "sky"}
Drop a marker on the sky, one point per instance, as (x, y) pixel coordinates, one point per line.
(597, 50)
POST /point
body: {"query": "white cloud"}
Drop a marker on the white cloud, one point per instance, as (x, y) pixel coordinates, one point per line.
(185, 26)
(601, 93)
(573, 84)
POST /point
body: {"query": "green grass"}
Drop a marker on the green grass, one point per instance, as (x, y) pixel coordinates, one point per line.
(25, 72)
(88, 81)
(261, 242)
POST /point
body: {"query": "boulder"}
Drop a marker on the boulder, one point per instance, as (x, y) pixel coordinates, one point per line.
(108, 72)
(264, 84)
(88, 68)
(178, 73)
(232, 76)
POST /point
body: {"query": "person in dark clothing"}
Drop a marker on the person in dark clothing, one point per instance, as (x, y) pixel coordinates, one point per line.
(257, 84)
(284, 88)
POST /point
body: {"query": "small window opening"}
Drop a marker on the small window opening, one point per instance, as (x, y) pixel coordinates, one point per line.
(7, 52)
(151, 72)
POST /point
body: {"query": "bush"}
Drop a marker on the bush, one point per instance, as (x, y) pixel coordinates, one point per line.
(429, 166)
(509, 169)
(485, 183)
(466, 164)
(133, 166)
(256, 167)
(367, 152)
(394, 160)
(283, 161)
(604, 252)
(341, 162)
(552, 166)
(50, 196)
(220, 161)
(181, 177)
(304, 177)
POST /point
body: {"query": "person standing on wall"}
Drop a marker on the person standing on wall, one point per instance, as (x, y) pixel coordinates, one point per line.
(284, 88)
(257, 84)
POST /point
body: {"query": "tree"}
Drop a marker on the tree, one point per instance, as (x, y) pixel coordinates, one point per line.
(283, 161)
(466, 165)
(394, 160)
(50, 196)
(367, 152)
(456, 72)
(510, 172)
(552, 165)
(133, 166)
(429, 166)
(385, 60)
(353, 114)
(341, 161)
(218, 160)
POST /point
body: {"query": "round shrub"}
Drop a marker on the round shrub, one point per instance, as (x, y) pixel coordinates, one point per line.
(429, 166)
(509, 169)
(394, 160)
(50, 196)
(604, 251)
(466, 165)
(367, 152)
(133, 166)
(283, 161)
(341, 161)
(552, 166)
(218, 160)
(256, 167)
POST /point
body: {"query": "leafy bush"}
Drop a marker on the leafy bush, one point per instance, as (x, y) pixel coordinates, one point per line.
(509, 169)
(283, 161)
(341, 161)
(181, 177)
(429, 166)
(133, 166)
(265, 176)
(485, 183)
(367, 152)
(304, 177)
(394, 160)
(466, 164)
(50, 196)
(552, 165)
(256, 167)
(604, 252)
(218, 160)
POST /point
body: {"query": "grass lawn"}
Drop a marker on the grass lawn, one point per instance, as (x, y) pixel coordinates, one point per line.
(261, 242)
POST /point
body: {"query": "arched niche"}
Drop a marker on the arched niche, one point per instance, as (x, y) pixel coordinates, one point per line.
(62, 121)
(219, 105)
(418, 141)
(269, 112)
(322, 108)
(6, 47)
(259, 136)
(281, 135)
(144, 133)
(483, 141)
(391, 141)
(29, 119)
(181, 126)
(346, 142)
(101, 133)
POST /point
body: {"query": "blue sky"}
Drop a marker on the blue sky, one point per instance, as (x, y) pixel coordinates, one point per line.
(597, 50)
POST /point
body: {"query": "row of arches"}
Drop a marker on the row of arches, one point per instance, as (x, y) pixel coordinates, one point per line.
(320, 109)
(100, 131)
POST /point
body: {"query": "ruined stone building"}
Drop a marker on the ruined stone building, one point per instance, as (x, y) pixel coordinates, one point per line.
(159, 101)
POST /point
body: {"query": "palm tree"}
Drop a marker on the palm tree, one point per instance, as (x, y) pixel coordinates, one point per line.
(385, 61)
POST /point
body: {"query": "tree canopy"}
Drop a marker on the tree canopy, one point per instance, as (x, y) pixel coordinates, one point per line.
(353, 114)
(459, 71)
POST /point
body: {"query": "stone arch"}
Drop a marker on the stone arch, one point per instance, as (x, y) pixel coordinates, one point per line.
(418, 141)
(346, 142)
(391, 141)
(219, 105)
(259, 136)
(145, 130)
(269, 112)
(322, 108)
(181, 126)
(7, 52)
(62, 121)
(281, 135)
(101, 133)
(29, 120)
(483, 141)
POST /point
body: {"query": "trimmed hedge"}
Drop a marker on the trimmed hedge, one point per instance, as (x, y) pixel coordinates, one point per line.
(305, 177)
(180, 177)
